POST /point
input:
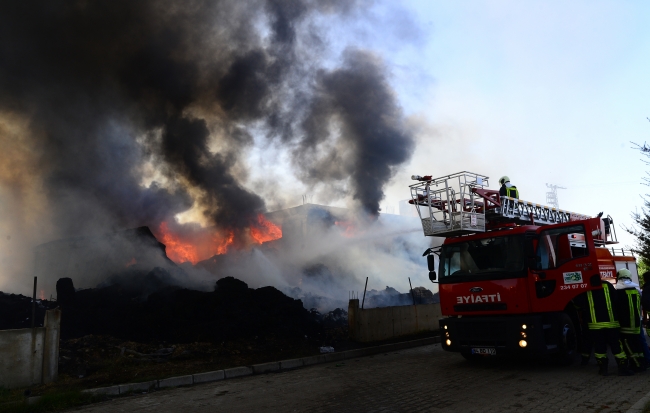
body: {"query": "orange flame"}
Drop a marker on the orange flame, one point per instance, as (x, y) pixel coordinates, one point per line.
(348, 227)
(177, 250)
(42, 295)
(222, 244)
(203, 245)
(264, 230)
(130, 263)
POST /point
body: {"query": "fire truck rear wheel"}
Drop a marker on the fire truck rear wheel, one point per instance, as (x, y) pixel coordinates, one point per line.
(567, 343)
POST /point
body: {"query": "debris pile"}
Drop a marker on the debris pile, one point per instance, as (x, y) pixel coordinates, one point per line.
(181, 315)
(391, 297)
(425, 296)
(336, 318)
(16, 311)
(314, 301)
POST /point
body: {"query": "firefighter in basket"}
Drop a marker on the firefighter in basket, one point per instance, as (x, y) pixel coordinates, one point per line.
(629, 311)
(508, 189)
(599, 309)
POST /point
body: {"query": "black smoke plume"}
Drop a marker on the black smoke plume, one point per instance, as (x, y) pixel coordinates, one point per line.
(133, 111)
(356, 101)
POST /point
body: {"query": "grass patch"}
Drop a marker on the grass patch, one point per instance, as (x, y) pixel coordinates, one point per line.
(52, 402)
(7, 395)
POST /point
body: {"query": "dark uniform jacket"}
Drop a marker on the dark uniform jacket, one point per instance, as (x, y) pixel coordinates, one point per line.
(511, 191)
(599, 307)
(629, 310)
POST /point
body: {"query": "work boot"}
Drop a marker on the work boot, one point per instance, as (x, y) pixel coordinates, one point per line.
(584, 360)
(623, 370)
(602, 366)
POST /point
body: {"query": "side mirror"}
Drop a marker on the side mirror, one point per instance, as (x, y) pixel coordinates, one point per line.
(432, 275)
(431, 262)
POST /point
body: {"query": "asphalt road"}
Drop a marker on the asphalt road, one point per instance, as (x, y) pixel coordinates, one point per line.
(424, 379)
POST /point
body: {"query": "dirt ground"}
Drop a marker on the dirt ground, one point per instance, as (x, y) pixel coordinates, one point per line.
(99, 361)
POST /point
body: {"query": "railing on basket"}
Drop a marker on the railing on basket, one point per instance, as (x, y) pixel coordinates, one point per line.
(451, 205)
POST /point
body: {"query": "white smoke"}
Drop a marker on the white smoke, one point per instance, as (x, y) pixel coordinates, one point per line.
(330, 259)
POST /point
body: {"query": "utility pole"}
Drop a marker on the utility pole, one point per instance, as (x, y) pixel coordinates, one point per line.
(551, 196)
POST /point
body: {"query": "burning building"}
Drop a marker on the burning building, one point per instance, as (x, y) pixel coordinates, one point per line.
(325, 252)
(312, 252)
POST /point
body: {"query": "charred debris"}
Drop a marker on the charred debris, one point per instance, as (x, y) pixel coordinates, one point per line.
(174, 314)
(173, 326)
(139, 294)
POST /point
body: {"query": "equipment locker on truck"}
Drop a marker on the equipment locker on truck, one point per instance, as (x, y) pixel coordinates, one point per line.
(509, 270)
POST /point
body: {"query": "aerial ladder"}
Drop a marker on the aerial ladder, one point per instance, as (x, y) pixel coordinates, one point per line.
(461, 203)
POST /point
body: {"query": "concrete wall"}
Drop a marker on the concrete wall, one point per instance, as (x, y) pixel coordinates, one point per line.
(21, 363)
(30, 356)
(52, 327)
(376, 324)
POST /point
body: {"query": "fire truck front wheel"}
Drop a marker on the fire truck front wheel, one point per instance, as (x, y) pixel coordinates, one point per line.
(567, 341)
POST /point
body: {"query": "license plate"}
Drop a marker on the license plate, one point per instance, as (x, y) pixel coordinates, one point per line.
(485, 351)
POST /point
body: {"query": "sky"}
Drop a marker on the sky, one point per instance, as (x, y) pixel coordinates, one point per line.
(543, 92)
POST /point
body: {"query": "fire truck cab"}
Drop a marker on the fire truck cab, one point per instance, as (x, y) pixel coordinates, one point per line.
(508, 270)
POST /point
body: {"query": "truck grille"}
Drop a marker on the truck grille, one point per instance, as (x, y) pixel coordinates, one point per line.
(479, 334)
(481, 307)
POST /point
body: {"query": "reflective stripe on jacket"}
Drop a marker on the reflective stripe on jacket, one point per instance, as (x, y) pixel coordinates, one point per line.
(629, 310)
(512, 192)
(602, 313)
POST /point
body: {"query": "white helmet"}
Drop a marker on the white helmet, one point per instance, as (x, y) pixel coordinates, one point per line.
(623, 273)
(503, 180)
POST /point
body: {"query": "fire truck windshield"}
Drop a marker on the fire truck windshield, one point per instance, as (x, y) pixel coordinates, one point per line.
(487, 258)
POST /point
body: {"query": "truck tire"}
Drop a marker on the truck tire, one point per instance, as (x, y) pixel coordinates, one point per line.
(567, 341)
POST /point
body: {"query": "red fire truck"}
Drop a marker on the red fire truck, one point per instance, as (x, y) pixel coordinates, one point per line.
(508, 270)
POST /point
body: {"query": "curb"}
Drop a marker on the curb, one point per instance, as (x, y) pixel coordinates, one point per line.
(639, 407)
(274, 366)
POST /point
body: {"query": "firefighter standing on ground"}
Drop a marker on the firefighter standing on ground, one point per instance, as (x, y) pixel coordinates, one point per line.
(629, 312)
(507, 189)
(599, 309)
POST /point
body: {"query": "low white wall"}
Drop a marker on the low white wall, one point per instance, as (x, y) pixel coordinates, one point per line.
(21, 363)
(376, 324)
(30, 355)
